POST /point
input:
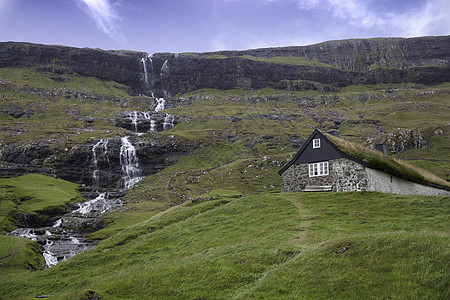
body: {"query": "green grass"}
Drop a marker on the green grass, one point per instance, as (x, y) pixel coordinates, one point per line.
(33, 77)
(286, 60)
(32, 194)
(17, 254)
(288, 246)
(290, 60)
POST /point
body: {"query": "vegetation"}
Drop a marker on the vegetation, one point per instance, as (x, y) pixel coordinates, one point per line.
(214, 225)
(33, 194)
(299, 245)
(290, 60)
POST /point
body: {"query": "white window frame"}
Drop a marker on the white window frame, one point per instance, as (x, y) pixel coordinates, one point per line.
(316, 143)
(318, 169)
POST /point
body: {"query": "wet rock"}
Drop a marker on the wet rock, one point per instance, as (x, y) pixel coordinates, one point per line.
(82, 222)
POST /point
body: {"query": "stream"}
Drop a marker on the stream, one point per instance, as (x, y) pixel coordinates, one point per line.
(64, 239)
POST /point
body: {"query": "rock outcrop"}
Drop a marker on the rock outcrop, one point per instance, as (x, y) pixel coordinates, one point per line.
(101, 169)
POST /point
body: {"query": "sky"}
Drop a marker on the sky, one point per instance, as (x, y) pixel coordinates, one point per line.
(209, 25)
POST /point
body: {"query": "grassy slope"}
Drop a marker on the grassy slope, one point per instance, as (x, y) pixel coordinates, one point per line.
(216, 249)
(345, 245)
(33, 193)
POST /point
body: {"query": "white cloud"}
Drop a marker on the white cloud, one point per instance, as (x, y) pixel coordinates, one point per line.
(432, 20)
(105, 16)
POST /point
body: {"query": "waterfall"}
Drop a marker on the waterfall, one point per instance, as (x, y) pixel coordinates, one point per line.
(99, 151)
(152, 125)
(164, 69)
(161, 102)
(168, 121)
(62, 240)
(149, 75)
(145, 71)
(136, 118)
(130, 165)
(98, 205)
(152, 72)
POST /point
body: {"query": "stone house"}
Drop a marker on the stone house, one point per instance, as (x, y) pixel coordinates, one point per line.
(322, 165)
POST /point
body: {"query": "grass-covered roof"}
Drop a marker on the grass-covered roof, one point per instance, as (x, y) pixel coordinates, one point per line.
(377, 160)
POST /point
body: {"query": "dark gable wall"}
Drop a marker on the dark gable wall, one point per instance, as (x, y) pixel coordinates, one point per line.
(326, 151)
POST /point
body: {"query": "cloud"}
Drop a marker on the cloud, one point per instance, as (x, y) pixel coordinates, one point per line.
(105, 16)
(429, 19)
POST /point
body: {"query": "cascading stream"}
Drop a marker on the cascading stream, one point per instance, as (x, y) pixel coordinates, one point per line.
(130, 165)
(63, 240)
(61, 243)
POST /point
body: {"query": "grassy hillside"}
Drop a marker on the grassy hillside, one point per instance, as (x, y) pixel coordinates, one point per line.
(214, 225)
(33, 194)
(299, 245)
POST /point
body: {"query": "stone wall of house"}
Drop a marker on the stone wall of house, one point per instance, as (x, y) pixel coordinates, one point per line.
(344, 175)
(383, 182)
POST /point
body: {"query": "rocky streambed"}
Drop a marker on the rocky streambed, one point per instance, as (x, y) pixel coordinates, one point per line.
(68, 235)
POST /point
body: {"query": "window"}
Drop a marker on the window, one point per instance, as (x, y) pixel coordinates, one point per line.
(316, 143)
(318, 169)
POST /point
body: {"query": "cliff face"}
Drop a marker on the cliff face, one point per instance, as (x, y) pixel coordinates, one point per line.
(369, 61)
(122, 67)
(364, 54)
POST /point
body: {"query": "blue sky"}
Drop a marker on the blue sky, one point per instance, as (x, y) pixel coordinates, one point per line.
(209, 25)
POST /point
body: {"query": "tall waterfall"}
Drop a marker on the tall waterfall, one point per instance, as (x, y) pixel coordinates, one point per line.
(144, 63)
(130, 165)
(164, 69)
(152, 72)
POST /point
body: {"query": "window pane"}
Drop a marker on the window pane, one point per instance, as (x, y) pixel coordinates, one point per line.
(316, 143)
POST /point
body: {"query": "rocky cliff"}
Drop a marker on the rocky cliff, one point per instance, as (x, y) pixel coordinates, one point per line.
(335, 63)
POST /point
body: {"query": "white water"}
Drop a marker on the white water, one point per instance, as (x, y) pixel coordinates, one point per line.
(57, 223)
(168, 121)
(136, 118)
(50, 259)
(152, 71)
(160, 104)
(145, 70)
(98, 205)
(165, 69)
(130, 164)
(152, 125)
(99, 151)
